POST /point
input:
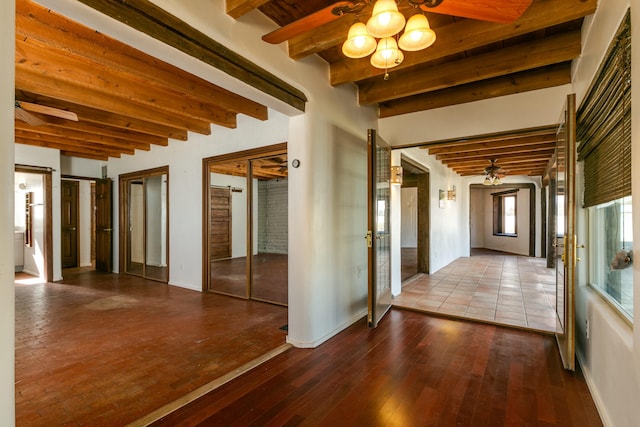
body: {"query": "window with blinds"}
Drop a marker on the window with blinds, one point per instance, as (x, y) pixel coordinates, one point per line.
(604, 124)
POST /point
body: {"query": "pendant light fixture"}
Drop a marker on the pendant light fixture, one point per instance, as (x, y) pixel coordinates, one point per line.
(385, 23)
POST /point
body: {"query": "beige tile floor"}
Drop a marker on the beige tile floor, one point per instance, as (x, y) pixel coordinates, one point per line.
(502, 289)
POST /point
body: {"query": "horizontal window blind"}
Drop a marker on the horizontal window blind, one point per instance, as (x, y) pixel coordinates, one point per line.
(604, 124)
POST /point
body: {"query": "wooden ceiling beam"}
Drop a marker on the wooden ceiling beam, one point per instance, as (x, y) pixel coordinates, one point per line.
(459, 37)
(71, 153)
(502, 162)
(520, 141)
(152, 20)
(539, 53)
(524, 81)
(506, 169)
(106, 118)
(36, 24)
(497, 153)
(71, 92)
(238, 8)
(88, 76)
(89, 128)
(80, 137)
(66, 147)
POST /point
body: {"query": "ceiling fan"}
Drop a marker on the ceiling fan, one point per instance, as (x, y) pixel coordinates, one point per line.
(499, 11)
(493, 173)
(25, 112)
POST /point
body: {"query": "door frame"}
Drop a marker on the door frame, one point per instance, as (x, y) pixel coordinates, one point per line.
(123, 199)
(76, 203)
(378, 303)
(422, 184)
(48, 214)
(255, 153)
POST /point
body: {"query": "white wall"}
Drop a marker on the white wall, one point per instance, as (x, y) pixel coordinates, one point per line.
(516, 245)
(610, 357)
(476, 217)
(7, 147)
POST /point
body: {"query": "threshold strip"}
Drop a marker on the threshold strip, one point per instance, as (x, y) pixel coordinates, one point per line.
(201, 391)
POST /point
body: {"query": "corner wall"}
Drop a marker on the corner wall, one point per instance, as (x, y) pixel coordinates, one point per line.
(7, 291)
(610, 356)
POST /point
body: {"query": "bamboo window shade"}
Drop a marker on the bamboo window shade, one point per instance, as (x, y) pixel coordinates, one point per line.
(604, 124)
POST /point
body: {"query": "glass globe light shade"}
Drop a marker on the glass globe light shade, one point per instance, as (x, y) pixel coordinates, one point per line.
(417, 34)
(359, 43)
(385, 19)
(387, 54)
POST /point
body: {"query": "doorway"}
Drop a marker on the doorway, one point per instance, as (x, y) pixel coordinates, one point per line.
(33, 222)
(414, 232)
(144, 213)
(246, 224)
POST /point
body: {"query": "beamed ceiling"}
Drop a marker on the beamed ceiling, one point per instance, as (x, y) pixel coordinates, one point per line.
(126, 100)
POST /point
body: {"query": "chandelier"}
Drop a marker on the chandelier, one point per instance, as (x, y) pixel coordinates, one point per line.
(385, 23)
(491, 174)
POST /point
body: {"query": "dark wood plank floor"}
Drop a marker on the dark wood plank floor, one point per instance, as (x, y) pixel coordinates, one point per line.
(102, 349)
(413, 370)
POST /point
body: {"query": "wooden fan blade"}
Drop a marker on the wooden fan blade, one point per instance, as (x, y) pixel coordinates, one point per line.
(500, 11)
(308, 23)
(28, 118)
(50, 111)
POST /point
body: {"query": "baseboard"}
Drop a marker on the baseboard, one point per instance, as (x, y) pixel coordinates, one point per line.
(182, 285)
(602, 411)
(334, 332)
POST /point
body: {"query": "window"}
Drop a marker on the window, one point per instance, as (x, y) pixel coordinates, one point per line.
(505, 213)
(611, 237)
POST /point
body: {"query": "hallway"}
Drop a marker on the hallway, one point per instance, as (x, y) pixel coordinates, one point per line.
(104, 349)
(497, 288)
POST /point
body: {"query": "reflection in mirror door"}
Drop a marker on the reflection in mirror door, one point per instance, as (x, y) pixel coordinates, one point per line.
(246, 224)
(144, 209)
(270, 258)
(228, 229)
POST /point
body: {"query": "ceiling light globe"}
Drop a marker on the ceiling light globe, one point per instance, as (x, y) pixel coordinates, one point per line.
(359, 43)
(385, 19)
(417, 34)
(387, 54)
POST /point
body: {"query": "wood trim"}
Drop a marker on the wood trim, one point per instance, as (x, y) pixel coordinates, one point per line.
(150, 19)
(48, 217)
(207, 162)
(123, 203)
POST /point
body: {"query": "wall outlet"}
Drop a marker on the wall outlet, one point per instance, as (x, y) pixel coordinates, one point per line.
(586, 329)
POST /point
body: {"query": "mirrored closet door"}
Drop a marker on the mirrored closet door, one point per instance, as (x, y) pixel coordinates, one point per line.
(144, 216)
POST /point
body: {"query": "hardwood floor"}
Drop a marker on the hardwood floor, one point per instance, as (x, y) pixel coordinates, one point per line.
(413, 370)
(101, 349)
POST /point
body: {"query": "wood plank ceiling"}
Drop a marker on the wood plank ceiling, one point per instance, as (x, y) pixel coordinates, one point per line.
(126, 100)
(470, 60)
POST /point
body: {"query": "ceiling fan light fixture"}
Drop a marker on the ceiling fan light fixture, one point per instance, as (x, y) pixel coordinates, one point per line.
(387, 54)
(417, 34)
(359, 42)
(386, 20)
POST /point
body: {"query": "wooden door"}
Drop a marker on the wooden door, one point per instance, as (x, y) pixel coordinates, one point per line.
(565, 201)
(220, 227)
(104, 224)
(69, 223)
(378, 234)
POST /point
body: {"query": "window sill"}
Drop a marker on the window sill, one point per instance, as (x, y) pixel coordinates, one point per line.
(505, 235)
(613, 304)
